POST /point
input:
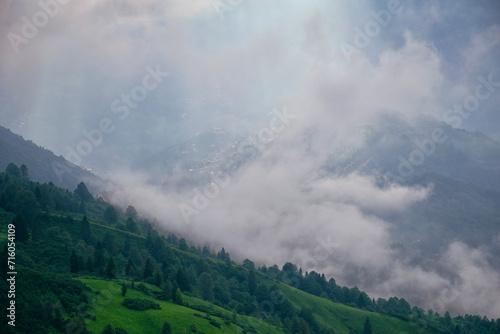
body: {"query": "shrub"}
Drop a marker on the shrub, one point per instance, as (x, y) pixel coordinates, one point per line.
(139, 304)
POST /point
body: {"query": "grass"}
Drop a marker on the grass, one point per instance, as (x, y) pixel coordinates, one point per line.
(342, 319)
(108, 309)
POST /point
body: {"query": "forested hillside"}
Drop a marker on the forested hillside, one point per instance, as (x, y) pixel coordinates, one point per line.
(49, 167)
(84, 265)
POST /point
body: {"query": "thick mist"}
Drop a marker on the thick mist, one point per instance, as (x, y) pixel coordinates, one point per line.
(107, 84)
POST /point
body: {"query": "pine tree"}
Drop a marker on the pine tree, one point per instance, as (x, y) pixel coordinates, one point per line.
(22, 233)
(178, 297)
(166, 328)
(206, 287)
(111, 268)
(252, 282)
(130, 269)
(82, 191)
(85, 231)
(223, 255)
(13, 169)
(368, 327)
(108, 329)
(83, 208)
(90, 265)
(74, 263)
(148, 269)
(126, 247)
(182, 280)
(131, 212)
(131, 225)
(110, 215)
(98, 256)
(157, 278)
(23, 171)
(175, 287)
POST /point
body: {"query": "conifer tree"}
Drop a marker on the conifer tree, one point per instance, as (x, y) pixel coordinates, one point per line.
(368, 327)
(85, 232)
(74, 263)
(111, 268)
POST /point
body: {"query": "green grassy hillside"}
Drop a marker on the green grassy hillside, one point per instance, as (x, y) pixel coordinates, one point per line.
(344, 319)
(107, 299)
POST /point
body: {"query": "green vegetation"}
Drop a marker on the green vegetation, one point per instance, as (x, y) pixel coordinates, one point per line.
(140, 304)
(87, 266)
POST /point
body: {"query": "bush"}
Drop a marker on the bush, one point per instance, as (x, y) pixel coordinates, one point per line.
(214, 323)
(139, 304)
(143, 288)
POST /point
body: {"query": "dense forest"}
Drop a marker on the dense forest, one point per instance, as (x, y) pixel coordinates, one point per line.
(69, 242)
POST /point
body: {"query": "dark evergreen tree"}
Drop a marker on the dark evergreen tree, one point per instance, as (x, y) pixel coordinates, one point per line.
(183, 245)
(108, 242)
(22, 233)
(36, 231)
(110, 215)
(131, 225)
(157, 278)
(261, 293)
(111, 268)
(206, 251)
(182, 280)
(178, 299)
(126, 247)
(148, 269)
(99, 256)
(223, 255)
(85, 231)
(124, 288)
(206, 287)
(13, 169)
(83, 208)
(26, 204)
(131, 212)
(175, 287)
(130, 269)
(108, 329)
(24, 173)
(247, 264)
(368, 327)
(252, 282)
(166, 328)
(90, 265)
(74, 263)
(82, 191)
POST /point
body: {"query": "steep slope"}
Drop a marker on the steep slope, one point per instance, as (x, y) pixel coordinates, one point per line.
(396, 150)
(42, 164)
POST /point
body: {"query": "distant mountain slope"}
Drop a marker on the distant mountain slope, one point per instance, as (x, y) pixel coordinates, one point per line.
(462, 167)
(397, 151)
(43, 165)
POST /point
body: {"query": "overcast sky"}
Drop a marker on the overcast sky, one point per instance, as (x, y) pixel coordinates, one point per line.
(332, 64)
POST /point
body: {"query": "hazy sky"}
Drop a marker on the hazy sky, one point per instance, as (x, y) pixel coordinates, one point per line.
(153, 73)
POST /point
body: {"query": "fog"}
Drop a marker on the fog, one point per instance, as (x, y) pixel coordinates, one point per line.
(132, 79)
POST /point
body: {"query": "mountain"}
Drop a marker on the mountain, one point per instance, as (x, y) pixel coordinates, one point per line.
(463, 169)
(42, 164)
(396, 150)
(91, 267)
